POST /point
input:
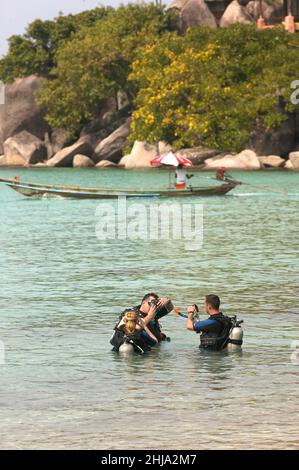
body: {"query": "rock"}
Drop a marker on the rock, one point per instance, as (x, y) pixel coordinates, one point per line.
(122, 100)
(59, 138)
(40, 165)
(142, 153)
(279, 141)
(3, 160)
(272, 161)
(235, 13)
(243, 2)
(20, 112)
(111, 147)
(123, 161)
(107, 114)
(246, 160)
(81, 161)
(198, 155)
(294, 158)
(105, 164)
(112, 120)
(65, 156)
(24, 149)
(270, 11)
(95, 138)
(289, 165)
(297, 129)
(193, 13)
(108, 118)
(48, 146)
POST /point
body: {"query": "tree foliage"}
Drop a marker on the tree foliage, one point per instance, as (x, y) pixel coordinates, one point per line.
(34, 52)
(207, 87)
(95, 64)
(210, 87)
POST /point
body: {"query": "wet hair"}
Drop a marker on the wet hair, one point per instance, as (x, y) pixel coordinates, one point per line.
(131, 320)
(148, 296)
(213, 300)
(180, 166)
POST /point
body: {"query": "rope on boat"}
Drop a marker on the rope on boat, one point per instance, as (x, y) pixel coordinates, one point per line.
(258, 186)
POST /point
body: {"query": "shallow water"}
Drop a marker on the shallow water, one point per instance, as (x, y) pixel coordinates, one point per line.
(61, 292)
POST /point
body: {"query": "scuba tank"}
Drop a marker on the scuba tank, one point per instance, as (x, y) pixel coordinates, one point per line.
(126, 348)
(235, 340)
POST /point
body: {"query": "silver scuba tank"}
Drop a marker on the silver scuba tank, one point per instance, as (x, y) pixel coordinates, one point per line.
(235, 337)
(126, 348)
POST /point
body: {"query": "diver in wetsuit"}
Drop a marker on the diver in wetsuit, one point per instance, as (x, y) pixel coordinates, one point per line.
(151, 309)
(215, 330)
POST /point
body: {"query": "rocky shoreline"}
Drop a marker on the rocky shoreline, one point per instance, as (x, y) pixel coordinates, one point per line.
(26, 140)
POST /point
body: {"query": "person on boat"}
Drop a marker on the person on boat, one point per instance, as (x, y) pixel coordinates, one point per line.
(151, 309)
(214, 331)
(181, 176)
(221, 175)
(130, 331)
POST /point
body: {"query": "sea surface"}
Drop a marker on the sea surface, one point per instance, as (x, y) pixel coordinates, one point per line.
(63, 287)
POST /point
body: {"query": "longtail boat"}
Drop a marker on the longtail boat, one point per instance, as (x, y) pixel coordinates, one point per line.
(39, 190)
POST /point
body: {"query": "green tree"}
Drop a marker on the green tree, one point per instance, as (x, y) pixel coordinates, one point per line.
(210, 87)
(96, 62)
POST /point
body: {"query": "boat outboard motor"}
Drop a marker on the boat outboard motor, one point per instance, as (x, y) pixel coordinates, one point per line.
(235, 340)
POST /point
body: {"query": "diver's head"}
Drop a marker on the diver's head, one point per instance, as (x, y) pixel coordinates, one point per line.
(212, 304)
(130, 321)
(180, 166)
(147, 301)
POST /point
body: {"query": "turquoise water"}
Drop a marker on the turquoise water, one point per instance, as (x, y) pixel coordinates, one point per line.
(61, 292)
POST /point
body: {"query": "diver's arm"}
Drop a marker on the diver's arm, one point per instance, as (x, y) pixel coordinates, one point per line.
(190, 312)
(153, 310)
(204, 325)
(148, 331)
(151, 314)
(189, 323)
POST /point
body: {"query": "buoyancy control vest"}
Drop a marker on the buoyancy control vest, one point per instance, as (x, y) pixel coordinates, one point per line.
(153, 325)
(216, 339)
(119, 337)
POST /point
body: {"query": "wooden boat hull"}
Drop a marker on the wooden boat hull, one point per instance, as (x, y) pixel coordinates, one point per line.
(42, 190)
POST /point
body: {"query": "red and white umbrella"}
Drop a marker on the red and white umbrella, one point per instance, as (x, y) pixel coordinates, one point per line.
(170, 158)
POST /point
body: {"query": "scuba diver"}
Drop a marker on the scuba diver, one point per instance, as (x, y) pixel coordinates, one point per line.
(218, 331)
(151, 309)
(130, 333)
